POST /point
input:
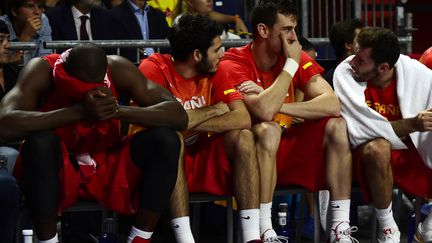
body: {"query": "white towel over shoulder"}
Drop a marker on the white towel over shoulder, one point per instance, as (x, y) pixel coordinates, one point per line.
(414, 88)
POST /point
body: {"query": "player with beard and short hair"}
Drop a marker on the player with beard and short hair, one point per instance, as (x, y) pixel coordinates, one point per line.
(220, 148)
(385, 99)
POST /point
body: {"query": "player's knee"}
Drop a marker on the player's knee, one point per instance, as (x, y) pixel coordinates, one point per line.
(159, 147)
(245, 141)
(40, 141)
(268, 136)
(377, 152)
(336, 131)
(37, 147)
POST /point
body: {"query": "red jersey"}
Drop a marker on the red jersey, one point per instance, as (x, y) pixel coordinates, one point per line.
(384, 101)
(197, 92)
(241, 66)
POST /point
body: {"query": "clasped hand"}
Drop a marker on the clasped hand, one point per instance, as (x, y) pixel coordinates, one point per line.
(100, 104)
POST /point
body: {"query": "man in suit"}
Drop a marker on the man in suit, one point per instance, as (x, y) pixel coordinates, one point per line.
(139, 21)
(81, 20)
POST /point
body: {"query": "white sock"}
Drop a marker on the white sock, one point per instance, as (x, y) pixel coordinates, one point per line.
(339, 211)
(137, 232)
(265, 218)
(385, 218)
(249, 222)
(182, 230)
(52, 240)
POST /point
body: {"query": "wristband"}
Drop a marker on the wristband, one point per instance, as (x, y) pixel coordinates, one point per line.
(290, 66)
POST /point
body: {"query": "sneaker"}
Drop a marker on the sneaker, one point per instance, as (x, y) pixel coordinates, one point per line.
(338, 235)
(422, 236)
(389, 235)
(255, 241)
(277, 239)
(138, 239)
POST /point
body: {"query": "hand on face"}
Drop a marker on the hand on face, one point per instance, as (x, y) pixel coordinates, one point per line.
(100, 104)
(290, 45)
(32, 25)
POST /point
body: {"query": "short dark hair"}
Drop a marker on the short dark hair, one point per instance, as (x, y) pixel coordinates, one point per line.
(87, 62)
(13, 5)
(3, 27)
(342, 33)
(266, 12)
(384, 43)
(192, 32)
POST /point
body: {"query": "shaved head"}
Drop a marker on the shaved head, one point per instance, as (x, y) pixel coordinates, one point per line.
(87, 62)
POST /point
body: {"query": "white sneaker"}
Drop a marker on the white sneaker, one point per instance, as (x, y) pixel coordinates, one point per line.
(277, 239)
(342, 233)
(421, 235)
(389, 235)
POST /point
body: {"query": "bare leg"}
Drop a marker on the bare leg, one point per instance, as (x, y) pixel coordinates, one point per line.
(179, 202)
(267, 136)
(240, 148)
(376, 161)
(338, 159)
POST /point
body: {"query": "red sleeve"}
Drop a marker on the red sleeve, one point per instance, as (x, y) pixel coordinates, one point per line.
(51, 59)
(308, 68)
(223, 89)
(151, 70)
(237, 69)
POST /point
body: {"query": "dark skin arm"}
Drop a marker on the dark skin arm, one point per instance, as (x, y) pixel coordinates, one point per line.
(18, 115)
(156, 106)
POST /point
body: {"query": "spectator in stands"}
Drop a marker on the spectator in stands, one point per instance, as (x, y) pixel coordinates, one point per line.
(385, 99)
(9, 190)
(109, 4)
(205, 8)
(139, 22)
(343, 38)
(72, 141)
(308, 47)
(267, 71)
(220, 149)
(51, 3)
(26, 22)
(81, 20)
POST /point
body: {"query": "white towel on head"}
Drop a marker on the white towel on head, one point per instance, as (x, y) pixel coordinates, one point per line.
(414, 88)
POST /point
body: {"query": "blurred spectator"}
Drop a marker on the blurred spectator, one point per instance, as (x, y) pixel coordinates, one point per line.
(81, 20)
(109, 4)
(308, 47)
(166, 6)
(9, 191)
(51, 3)
(426, 58)
(26, 22)
(139, 21)
(205, 8)
(343, 38)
